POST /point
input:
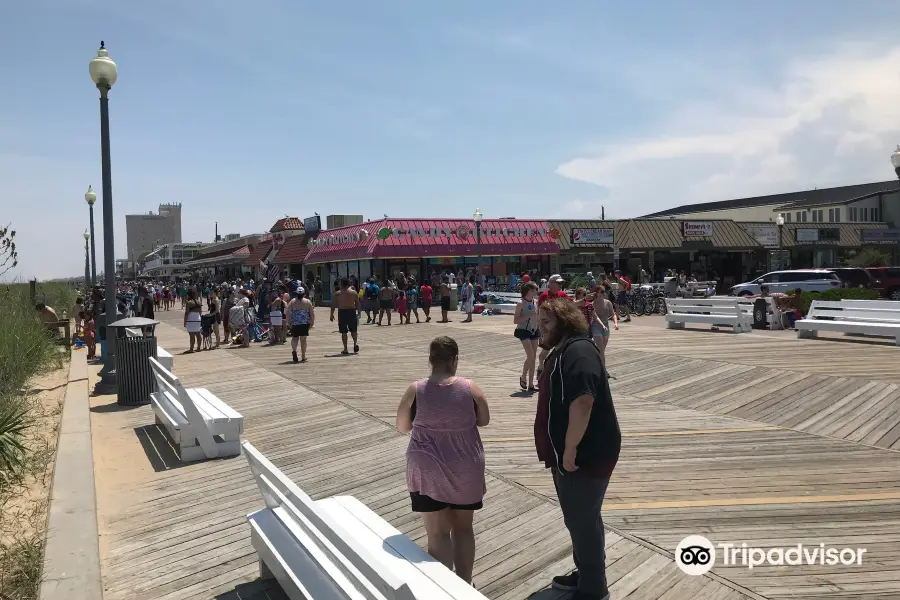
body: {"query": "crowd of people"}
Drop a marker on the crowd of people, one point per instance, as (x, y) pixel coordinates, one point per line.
(576, 431)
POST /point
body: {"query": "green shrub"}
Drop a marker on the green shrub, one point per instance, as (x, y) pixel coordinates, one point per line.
(836, 294)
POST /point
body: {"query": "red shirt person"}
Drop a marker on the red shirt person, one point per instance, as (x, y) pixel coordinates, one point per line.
(554, 290)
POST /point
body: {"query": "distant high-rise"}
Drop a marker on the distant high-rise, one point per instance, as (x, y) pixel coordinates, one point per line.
(146, 232)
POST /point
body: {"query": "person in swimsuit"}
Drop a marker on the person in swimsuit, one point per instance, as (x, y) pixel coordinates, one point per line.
(385, 302)
(445, 464)
(412, 301)
(445, 298)
(346, 301)
(605, 311)
(527, 332)
(192, 312)
(300, 314)
(276, 320)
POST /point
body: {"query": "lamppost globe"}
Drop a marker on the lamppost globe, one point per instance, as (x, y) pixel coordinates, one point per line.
(477, 216)
(895, 158)
(780, 220)
(90, 196)
(102, 68)
(87, 235)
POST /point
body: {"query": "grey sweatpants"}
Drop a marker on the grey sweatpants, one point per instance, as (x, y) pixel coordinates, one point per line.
(580, 498)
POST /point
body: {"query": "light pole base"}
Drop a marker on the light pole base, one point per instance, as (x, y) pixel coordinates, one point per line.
(107, 384)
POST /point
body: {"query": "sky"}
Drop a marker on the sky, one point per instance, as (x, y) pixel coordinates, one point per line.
(249, 111)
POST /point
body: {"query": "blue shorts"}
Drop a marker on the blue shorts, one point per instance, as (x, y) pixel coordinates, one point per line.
(597, 330)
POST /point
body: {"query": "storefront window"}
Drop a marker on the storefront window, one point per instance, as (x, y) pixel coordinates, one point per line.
(365, 269)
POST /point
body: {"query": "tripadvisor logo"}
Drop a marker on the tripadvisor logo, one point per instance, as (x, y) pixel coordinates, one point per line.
(696, 555)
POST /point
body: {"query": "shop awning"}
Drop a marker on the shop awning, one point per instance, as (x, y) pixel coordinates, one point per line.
(423, 238)
(843, 235)
(662, 234)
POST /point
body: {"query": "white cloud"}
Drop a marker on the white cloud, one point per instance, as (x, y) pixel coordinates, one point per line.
(827, 121)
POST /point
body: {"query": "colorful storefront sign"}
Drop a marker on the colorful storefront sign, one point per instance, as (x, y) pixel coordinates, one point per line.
(693, 229)
(424, 238)
(593, 237)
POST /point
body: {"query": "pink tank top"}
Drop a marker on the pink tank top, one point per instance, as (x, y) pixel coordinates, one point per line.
(445, 457)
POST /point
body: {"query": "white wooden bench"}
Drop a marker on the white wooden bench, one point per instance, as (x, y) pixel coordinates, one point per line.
(337, 548)
(882, 304)
(726, 312)
(199, 424)
(849, 317)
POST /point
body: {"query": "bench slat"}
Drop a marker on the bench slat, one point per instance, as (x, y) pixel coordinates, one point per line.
(302, 574)
(402, 566)
(405, 547)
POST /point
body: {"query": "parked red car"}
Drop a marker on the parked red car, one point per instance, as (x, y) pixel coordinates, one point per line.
(886, 281)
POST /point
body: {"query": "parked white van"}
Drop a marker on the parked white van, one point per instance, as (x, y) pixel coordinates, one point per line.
(808, 280)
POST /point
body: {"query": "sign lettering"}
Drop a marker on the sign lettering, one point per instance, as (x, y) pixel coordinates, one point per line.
(693, 229)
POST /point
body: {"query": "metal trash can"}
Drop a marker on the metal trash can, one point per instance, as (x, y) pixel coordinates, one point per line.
(760, 314)
(134, 376)
(454, 297)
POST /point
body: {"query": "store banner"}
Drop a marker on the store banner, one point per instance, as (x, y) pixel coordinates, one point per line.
(593, 237)
(697, 228)
(881, 236)
(765, 235)
(807, 235)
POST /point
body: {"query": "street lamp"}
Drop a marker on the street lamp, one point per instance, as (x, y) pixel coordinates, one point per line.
(87, 276)
(780, 222)
(477, 218)
(90, 197)
(104, 73)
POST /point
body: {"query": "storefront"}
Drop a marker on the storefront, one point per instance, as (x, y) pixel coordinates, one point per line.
(717, 249)
(586, 246)
(423, 248)
(834, 244)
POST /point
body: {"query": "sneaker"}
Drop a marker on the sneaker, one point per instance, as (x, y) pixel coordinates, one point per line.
(566, 582)
(294, 356)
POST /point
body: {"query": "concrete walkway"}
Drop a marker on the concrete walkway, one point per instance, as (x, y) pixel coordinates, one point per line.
(71, 556)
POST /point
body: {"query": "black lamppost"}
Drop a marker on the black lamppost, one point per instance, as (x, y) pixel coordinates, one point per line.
(780, 222)
(477, 218)
(87, 275)
(90, 197)
(104, 73)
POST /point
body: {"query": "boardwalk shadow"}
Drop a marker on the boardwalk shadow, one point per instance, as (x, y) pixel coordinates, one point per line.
(113, 407)
(261, 589)
(550, 594)
(159, 451)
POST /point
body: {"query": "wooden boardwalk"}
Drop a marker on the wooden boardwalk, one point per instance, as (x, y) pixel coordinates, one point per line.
(748, 438)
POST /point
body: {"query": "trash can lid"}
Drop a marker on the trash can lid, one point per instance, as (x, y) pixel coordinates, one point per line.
(134, 322)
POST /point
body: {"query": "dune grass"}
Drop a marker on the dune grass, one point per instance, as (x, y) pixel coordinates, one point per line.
(26, 351)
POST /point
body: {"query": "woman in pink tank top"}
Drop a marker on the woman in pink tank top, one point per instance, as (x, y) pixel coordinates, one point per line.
(445, 457)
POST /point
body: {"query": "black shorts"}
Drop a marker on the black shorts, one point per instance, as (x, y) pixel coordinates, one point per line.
(347, 320)
(423, 504)
(386, 304)
(300, 330)
(525, 334)
(445, 302)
